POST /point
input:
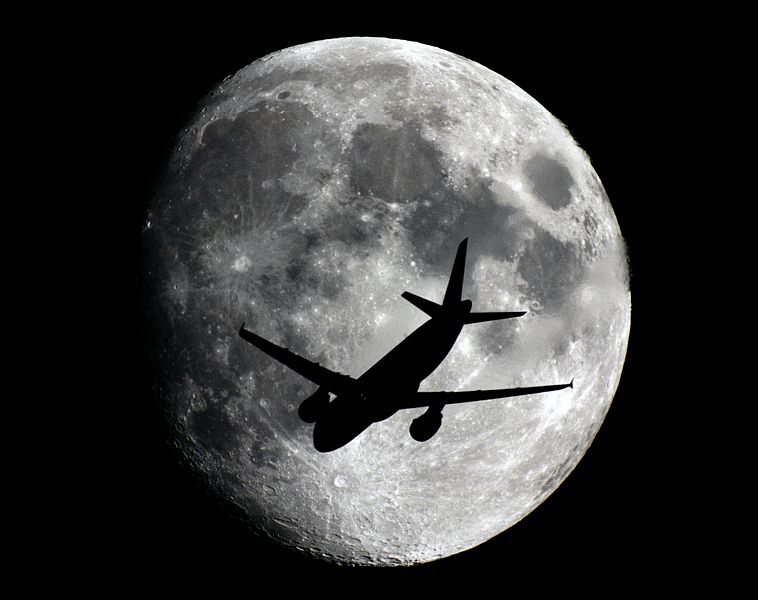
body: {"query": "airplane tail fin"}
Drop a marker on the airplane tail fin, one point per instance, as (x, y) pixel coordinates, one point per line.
(430, 308)
(481, 317)
(453, 295)
(455, 284)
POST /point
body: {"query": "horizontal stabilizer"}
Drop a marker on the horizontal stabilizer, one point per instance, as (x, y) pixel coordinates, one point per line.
(480, 317)
(430, 308)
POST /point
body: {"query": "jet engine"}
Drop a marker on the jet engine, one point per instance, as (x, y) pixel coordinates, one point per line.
(424, 427)
(312, 407)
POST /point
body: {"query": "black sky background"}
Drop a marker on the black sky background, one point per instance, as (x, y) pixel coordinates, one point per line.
(620, 516)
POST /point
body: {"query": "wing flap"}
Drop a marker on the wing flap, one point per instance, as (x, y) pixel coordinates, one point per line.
(331, 380)
(423, 399)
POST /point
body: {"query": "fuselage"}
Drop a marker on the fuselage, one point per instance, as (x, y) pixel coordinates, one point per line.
(382, 386)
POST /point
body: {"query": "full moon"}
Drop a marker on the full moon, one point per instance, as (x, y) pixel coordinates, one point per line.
(307, 193)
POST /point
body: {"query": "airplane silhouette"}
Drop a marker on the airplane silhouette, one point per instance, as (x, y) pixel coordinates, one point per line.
(392, 383)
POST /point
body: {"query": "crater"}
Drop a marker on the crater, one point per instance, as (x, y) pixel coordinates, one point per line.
(242, 264)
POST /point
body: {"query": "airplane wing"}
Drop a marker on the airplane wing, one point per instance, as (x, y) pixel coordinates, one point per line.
(330, 380)
(424, 399)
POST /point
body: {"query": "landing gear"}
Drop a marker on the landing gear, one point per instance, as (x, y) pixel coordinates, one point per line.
(424, 427)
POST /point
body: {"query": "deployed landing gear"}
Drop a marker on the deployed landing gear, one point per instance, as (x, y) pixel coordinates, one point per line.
(424, 427)
(312, 407)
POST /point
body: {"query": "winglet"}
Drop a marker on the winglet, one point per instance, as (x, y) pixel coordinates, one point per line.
(571, 385)
(242, 328)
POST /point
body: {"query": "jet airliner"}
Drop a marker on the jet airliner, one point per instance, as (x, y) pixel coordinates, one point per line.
(392, 383)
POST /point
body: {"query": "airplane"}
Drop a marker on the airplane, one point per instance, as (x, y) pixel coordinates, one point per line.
(392, 383)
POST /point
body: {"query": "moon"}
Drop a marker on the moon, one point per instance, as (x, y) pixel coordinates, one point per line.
(306, 194)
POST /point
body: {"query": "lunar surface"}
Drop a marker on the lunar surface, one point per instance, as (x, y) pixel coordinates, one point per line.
(308, 192)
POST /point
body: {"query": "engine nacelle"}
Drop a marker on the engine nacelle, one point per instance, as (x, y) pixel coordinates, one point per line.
(424, 427)
(313, 406)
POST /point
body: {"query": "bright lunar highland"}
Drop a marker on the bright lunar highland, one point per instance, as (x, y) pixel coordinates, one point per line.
(308, 192)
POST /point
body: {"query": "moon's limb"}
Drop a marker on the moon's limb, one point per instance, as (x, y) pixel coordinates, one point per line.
(311, 189)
